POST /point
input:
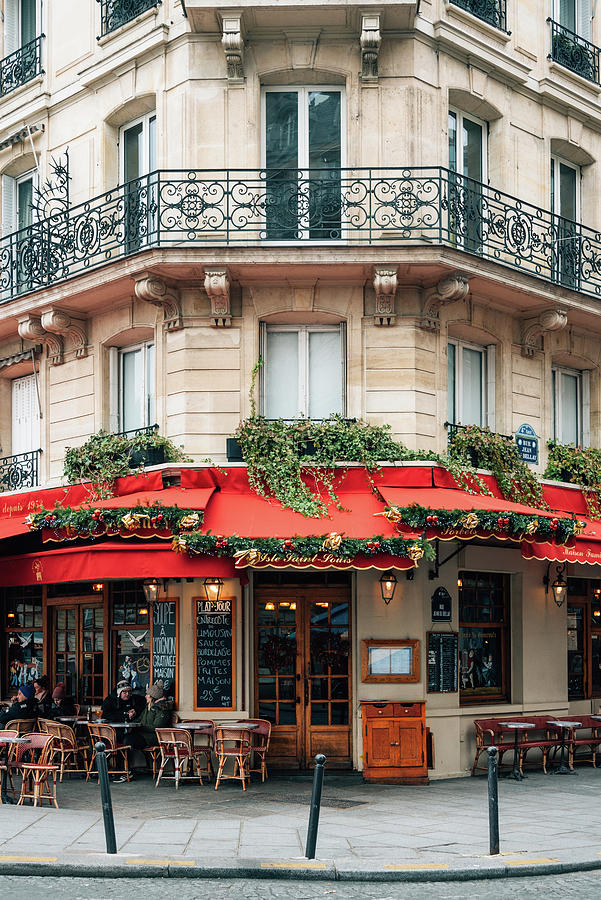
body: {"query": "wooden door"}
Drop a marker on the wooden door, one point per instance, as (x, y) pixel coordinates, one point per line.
(78, 650)
(303, 673)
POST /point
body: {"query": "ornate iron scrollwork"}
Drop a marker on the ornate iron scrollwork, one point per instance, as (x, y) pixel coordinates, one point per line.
(492, 11)
(19, 471)
(574, 52)
(21, 66)
(115, 13)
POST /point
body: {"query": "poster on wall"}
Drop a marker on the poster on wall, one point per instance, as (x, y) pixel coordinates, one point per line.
(215, 654)
(132, 657)
(165, 645)
(25, 653)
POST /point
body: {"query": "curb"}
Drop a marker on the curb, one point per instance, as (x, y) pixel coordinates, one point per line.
(124, 866)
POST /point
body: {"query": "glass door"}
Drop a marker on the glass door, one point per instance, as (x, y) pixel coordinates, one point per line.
(565, 205)
(303, 155)
(467, 162)
(138, 165)
(78, 651)
(577, 663)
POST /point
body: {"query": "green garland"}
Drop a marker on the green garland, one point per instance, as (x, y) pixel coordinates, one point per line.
(199, 543)
(91, 523)
(577, 465)
(501, 522)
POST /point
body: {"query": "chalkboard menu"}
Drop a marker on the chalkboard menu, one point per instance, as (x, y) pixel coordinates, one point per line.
(164, 645)
(443, 659)
(215, 655)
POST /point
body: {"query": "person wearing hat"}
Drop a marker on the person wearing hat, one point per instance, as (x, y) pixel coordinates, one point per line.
(122, 704)
(43, 697)
(24, 707)
(156, 715)
(61, 704)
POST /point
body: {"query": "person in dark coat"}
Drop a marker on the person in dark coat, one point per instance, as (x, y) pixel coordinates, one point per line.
(61, 705)
(157, 714)
(122, 704)
(24, 707)
(43, 697)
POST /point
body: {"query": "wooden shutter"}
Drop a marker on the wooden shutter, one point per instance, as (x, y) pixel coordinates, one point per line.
(9, 205)
(11, 26)
(26, 415)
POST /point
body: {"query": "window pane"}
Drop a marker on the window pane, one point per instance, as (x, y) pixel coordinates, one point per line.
(576, 657)
(152, 144)
(452, 142)
(569, 425)
(150, 406)
(281, 375)
(325, 374)
(24, 203)
(480, 660)
(281, 129)
(132, 152)
(472, 150)
(131, 385)
(452, 387)
(567, 192)
(28, 21)
(472, 387)
(567, 14)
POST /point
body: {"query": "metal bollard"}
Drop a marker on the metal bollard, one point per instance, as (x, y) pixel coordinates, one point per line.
(493, 800)
(105, 795)
(318, 774)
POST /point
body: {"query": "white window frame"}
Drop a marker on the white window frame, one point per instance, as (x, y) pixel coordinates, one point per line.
(584, 17)
(460, 116)
(30, 442)
(487, 386)
(303, 360)
(116, 383)
(302, 91)
(555, 175)
(145, 162)
(12, 25)
(583, 402)
(10, 194)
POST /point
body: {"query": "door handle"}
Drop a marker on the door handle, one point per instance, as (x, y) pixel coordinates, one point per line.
(394, 743)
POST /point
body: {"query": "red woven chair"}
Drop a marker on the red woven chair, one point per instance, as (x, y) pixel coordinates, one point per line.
(260, 746)
(34, 760)
(67, 748)
(176, 747)
(115, 751)
(7, 733)
(203, 742)
(232, 742)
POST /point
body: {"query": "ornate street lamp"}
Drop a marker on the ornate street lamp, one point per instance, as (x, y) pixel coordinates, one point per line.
(388, 583)
(213, 588)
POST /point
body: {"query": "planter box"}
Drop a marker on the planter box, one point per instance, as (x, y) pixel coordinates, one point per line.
(149, 456)
(233, 450)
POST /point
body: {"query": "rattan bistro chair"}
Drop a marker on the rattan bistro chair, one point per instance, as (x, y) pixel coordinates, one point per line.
(7, 752)
(34, 761)
(203, 741)
(176, 747)
(260, 746)
(67, 750)
(233, 742)
(115, 752)
(22, 726)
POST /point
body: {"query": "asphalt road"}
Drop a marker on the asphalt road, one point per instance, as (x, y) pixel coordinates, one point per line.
(583, 885)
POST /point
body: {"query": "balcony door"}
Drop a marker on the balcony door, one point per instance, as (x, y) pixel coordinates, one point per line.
(138, 165)
(303, 673)
(302, 156)
(565, 205)
(468, 165)
(575, 15)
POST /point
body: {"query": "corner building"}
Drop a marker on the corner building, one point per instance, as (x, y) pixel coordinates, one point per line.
(395, 204)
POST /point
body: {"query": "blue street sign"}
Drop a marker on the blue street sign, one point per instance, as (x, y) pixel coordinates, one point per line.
(527, 443)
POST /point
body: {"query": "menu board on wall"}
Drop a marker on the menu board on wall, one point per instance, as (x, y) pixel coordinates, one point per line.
(164, 645)
(443, 662)
(215, 654)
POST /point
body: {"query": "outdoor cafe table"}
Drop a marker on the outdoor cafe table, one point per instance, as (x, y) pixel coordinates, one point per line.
(563, 769)
(6, 741)
(516, 727)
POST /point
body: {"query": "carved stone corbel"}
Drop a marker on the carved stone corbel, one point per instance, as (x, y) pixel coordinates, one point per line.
(217, 286)
(31, 329)
(533, 328)
(57, 321)
(154, 290)
(233, 45)
(370, 42)
(449, 289)
(385, 285)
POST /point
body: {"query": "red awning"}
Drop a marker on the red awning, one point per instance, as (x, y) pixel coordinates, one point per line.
(445, 498)
(193, 498)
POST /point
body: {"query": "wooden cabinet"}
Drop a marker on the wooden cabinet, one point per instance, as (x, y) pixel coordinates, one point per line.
(394, 743)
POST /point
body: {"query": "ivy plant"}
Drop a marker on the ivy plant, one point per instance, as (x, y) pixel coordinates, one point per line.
(577, 465)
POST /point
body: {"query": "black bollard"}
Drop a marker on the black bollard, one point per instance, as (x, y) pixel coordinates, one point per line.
(105, 795)
(493, 800)
(318, 773)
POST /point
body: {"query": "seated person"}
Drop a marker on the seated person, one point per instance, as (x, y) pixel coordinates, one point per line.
(122, 704)
(24, 707)
(156, 715)
(43, 697)
(61, 705)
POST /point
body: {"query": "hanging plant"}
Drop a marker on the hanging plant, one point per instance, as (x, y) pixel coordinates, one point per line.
(577, 465)
(485, 449)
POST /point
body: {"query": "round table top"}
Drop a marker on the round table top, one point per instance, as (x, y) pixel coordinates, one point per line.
(15, 740)
(129, 724)
(194, 726)
(563, 724)
(249, 725)
(517, 724)
(68, 719)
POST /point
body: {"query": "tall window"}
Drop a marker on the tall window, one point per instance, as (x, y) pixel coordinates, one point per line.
(575, 15)
(471, 385)
(17, 201)
(565, 205)
(25, 415)
(468, 159)
(571, 402)
(304, 371)
(136, 387)
(138, 160)
(21, 23)
(303, 153)
(484, 657)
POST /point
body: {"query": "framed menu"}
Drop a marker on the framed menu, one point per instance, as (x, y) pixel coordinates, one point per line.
(215, 654)
(389, 661)
(443, 662)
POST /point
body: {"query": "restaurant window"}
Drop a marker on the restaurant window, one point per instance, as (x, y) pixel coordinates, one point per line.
(131, 635)
(471, 384)
(484, 658)
(584, 639)
(571, 406)
(24, 636)
(304, 371)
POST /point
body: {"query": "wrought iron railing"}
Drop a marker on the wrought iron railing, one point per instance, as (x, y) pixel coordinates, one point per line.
(453, 428)
(21, 66)
(574, 52)
(492, 11)
(114, 13)
(135, 432)
(262, 208)
(20, 471)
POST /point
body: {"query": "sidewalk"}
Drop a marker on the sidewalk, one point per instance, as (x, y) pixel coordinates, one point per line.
(548, 824)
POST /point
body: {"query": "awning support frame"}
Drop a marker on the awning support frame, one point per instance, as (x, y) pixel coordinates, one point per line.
(433, 574)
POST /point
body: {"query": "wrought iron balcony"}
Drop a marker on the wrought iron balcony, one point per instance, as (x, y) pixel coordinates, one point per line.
(115, 13)
(136, 432)
(492, 11)
(261, 209)
(19, 471)
(574, 52)
(453, 428)
(21, 66)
